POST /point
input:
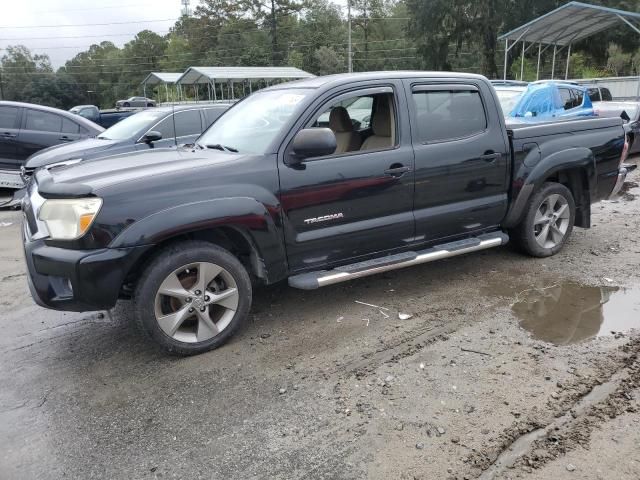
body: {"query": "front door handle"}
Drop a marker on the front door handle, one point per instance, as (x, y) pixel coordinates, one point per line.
(397, 170)
(8, 135)
(64, 138)
(490, 157)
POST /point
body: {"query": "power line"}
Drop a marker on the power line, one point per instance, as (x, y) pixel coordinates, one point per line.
(91, 24)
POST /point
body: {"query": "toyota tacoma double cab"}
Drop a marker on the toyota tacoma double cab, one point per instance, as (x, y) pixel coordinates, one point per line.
(316, 181)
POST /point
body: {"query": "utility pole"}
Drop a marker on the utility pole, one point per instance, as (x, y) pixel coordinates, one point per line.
(350, 54)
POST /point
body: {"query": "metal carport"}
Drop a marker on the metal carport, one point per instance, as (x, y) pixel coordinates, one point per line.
(215, 77)
(161, 78)
(563, 26)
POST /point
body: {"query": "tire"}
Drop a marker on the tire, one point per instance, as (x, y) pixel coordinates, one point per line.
(529, 235)
(126, 104)
(149, 105)
(169, 308)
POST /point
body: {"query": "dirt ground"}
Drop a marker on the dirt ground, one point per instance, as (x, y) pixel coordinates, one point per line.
(319, 386)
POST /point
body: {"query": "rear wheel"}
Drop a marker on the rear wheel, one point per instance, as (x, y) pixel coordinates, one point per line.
(548, 221)
(192, 297)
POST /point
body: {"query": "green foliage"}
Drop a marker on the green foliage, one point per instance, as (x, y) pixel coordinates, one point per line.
(530, 69)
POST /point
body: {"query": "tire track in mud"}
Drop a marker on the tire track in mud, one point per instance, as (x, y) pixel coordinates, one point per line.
(532, 443)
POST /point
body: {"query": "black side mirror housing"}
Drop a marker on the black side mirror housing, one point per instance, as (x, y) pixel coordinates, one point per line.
(152, 136)
(313, 142)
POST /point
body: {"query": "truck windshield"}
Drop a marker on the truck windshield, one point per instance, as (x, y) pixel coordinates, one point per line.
(254, 123)
(133, 126)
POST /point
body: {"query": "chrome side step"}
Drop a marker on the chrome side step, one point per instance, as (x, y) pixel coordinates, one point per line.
(313, 280)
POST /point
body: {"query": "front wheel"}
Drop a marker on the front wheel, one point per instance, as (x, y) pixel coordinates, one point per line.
(548, 221)
(192, 297)
(126, 104)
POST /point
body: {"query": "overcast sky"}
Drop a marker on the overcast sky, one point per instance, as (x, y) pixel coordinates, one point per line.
(41, 24)
(28, 22)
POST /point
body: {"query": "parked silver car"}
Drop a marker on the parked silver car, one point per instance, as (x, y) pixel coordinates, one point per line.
(136, 102)
(631, 118)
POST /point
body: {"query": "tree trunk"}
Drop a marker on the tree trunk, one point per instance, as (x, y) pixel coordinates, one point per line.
(275, 55)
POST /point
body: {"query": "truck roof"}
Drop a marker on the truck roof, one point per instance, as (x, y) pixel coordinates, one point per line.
(342, 78)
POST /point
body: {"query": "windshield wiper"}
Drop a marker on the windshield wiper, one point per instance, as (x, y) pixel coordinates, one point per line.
(217, 146)
(100, 137)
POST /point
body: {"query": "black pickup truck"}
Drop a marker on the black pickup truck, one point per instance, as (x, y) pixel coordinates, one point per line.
(317, 181)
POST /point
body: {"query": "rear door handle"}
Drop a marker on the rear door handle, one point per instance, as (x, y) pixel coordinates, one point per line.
(8, 135)
(490, 157)
(397, 170)
(64, 138)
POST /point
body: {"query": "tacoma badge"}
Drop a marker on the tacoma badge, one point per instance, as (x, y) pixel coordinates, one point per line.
(333, 216)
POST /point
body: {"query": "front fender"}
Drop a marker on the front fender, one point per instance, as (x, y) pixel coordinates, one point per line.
(254, 220)
(529, 179)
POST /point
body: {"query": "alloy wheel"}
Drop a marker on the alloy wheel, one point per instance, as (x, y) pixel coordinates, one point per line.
(551, 222)
(196, 302)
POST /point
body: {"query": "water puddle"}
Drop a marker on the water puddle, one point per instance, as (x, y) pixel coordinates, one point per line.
(571, 312)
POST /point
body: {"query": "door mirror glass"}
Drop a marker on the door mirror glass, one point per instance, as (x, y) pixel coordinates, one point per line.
(314, 142)
(152, 136)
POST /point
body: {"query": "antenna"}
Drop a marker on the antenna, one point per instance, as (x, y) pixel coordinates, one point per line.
(186, 7)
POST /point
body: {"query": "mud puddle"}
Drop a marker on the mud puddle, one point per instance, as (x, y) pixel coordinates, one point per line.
(570, 312)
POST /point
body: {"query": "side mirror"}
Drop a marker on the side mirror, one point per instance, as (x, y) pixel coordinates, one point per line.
(313, 142)
(152, 136)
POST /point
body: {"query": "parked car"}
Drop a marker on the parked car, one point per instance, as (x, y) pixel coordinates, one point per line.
(630, 113)
(104, 118)
(158, 128)
(509, 95)
(266, 195)
(599, 94)
(26, 128)
(136, 102)
(547, 100)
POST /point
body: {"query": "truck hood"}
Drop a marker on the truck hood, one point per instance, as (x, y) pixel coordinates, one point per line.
(69, 151)
(88, 177)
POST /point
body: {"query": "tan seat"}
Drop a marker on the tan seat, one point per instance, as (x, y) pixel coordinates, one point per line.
(382, 126)
(346, 138)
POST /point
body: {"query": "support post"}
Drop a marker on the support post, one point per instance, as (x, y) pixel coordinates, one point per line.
(213, 86)
(553, 62)
(350, 54)
(522, 62)
(566, 72)
(166, 91)
(506, 52)
(538, 68)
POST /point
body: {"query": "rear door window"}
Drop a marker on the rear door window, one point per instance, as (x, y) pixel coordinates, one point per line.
(606, 94)
(43, 121)
(9, 117)
(188, 123)
(578, 97)
(448, 114)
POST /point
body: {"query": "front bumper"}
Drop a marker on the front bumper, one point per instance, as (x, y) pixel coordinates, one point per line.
(77, 280)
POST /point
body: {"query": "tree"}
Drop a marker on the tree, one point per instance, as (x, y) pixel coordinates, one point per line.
(329, 61)
(275, 13)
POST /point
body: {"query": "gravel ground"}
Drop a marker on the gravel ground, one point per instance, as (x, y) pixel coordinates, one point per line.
(319, 386)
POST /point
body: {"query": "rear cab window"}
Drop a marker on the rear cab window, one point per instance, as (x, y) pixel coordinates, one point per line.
(443, 113)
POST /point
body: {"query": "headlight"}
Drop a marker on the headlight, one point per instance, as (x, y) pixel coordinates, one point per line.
(64, 163)
(69, 219)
